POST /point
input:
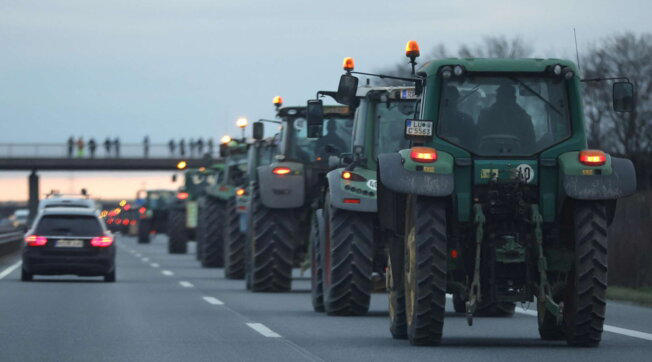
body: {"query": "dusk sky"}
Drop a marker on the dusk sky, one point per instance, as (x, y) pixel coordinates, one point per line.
(190, 68)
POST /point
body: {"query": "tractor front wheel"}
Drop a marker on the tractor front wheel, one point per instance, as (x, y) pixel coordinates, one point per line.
(233, 243)
(177, 235)
(213, 241)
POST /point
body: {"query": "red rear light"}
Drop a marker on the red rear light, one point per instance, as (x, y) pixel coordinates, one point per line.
(281, 171)
(125, 222)
(132, 222)
(593, 157)
(182, 195)
(454, 254)
(351, 201)
(101, 241)
(142, 210)
(127, 207)
(35, 240)
(109, 221)
(118, 221)
(423, 154)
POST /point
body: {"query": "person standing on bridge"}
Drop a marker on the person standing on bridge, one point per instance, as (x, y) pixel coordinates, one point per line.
(116, 145)
(146, 146)
(200, 147)
(80, 147)
(107, 147)
(172, 147)
(192, 147)
(91, 147)
(209, 143)
(71, 146)
(182, 147)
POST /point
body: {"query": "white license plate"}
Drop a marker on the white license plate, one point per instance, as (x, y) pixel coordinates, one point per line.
(69, 243)
(418, 128)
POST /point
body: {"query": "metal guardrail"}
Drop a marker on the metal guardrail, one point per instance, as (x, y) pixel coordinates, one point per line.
(9, 237)
(127, 150)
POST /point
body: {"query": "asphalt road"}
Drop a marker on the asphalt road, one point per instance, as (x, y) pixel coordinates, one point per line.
(167, 308)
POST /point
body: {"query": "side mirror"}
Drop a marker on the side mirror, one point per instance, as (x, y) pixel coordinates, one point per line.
(174, 178)
(315, 117)
(623, 97)
(258, 131)
(223, 150)
(347, 89)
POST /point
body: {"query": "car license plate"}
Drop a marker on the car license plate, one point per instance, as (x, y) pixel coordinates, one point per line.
(69, 243)
(417, 128)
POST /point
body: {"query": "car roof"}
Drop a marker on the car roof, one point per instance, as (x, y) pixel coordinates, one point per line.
(67, 200)
(82, 211)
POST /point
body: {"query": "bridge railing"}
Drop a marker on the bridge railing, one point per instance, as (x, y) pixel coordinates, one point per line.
(127, 150)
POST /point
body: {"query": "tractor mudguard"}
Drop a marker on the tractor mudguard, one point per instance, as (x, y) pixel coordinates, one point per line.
(620, 182)
(398, 179)
(282, 191)
(338, 193)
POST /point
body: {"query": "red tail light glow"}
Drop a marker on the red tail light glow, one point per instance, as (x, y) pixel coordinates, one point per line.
(423, 154)
(348, 175)
(132, 222)
(593, 157)
(35, 240)
(125, 222)
(454, 254)
(240, 192)
(281, 171)
(351, 201)
(142, 210)
(182, 195)
(101, 241)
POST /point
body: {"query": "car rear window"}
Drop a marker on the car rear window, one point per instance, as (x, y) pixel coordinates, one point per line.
(69, 225)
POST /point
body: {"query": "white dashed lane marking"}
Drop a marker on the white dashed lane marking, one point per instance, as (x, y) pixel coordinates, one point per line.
(167, 273)
(145, 259)
(186, 284)
(11, 268)
(154, 265)
(262, 329)
(213, 300)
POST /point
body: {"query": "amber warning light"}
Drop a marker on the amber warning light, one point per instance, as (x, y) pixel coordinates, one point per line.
(348, 64)
(278, 101)
(412, 49)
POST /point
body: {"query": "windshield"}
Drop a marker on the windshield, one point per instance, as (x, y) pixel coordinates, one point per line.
(504, 115)
(336, 139)
(390, 124)
(69, 225)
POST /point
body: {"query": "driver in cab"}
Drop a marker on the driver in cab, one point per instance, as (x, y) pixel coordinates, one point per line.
(506, 117)
(331, 143)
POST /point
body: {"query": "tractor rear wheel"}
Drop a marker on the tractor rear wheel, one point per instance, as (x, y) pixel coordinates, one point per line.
(348, 258)
(425, 269)
(233, 243)
(272, 243)
(396, 295)
(316, 278)
(177, 235)
(585, 302)
(213, 242)
(143, 231)
(200, 230)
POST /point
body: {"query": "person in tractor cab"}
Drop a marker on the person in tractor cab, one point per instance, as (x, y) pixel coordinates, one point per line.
(456, 124)
(506, 117)
(331, 143)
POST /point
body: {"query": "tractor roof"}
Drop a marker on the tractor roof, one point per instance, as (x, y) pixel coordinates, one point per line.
(496, 64)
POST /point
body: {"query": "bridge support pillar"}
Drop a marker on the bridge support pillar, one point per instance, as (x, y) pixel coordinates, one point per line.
(32, 204)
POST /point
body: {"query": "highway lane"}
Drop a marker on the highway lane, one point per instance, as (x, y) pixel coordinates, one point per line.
(165, 307)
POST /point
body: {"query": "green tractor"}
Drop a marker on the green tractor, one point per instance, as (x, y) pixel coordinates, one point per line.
(220, 241)
(183, 214)
(348, 251)
(285, 192)
(498, 199)
(153, 213)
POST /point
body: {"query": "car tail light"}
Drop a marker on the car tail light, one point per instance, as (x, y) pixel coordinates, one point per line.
(281, 171)
(240, 192)
(593, 157)
(423, 154)
(348, 175)
(182, 195)
(109, 221)
(351, 201)
(101, 241)
(132, 222)
(454, 254)
(118, 221)
(35, 240)
(142, 210)
(125, 222)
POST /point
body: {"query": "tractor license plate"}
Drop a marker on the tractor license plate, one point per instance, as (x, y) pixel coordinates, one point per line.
(418, 128)
(69, 243)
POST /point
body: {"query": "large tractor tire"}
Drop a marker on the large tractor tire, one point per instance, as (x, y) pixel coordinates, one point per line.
(316, 281)
(396, 296)
(200, 231)
(234, 240)
(177, 235)
(212, 254)
(585, 302)
(347, 261)
(143, 231)
(272, 243)
(425, 269)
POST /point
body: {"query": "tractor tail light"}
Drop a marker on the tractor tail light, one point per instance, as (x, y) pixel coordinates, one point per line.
(423, 154)
(101, 241)
(281, 171)
(125, 222)
(182, 195)
(240, 192)
(348, 175)
(593, 157)
(35, 240)
(142, 210)
(351, 201)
